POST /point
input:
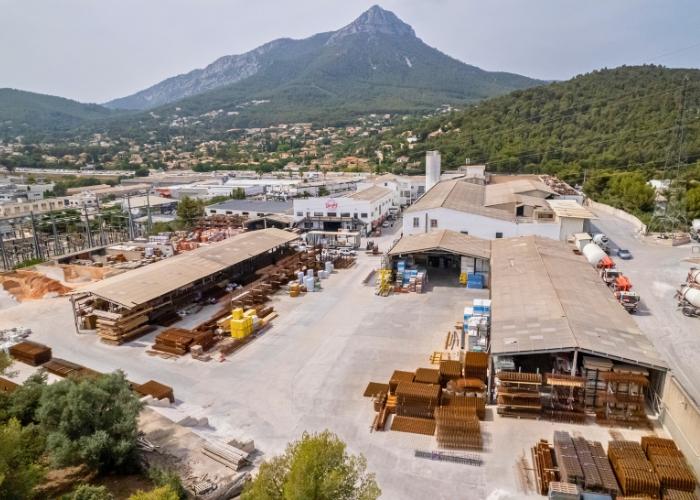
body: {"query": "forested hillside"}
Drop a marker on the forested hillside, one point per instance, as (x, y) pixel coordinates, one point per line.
(596, 125)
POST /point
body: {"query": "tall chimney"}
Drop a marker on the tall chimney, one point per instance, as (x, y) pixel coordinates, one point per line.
(432, 168)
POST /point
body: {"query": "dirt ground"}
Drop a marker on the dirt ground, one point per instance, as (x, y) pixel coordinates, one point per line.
(31, 285)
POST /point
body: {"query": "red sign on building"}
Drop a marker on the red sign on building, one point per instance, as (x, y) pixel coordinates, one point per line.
(331, 204)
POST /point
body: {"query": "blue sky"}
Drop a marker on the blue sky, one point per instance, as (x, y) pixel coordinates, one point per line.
(96, 50)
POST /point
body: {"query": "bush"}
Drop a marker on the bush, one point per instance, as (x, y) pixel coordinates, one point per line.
(317, 467)
(160, 493)
(18, 471)
(164, 477)
(90, 492)
(91, 421)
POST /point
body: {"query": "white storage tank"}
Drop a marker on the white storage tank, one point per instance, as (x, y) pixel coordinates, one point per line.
(432, 168)
(692, 295)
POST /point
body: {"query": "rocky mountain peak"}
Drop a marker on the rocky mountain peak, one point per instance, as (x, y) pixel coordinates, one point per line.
(375, 21)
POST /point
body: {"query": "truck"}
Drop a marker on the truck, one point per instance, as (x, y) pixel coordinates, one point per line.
(689, 300)
(597, 257)
(609, 275)
(602, 241)
(693, 279)
(628, 299)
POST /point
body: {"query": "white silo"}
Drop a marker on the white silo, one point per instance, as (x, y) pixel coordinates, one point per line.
(432, 168)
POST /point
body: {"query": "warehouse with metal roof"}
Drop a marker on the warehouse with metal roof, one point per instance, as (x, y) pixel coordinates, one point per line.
(547, 300)
(178, 278)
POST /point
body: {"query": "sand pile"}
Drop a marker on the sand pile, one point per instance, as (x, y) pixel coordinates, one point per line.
(78, 274)
(30, 285)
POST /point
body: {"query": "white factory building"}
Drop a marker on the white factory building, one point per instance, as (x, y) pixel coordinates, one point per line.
(406, 188)
(520, 206)
(359, 211)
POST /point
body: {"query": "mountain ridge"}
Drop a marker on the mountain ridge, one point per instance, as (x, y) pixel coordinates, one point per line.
(372, 25)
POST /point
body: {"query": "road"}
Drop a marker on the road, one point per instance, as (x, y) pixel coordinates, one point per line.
(656, 271)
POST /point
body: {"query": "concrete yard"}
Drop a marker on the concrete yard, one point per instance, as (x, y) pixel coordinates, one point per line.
(656, 272)
(308, 372)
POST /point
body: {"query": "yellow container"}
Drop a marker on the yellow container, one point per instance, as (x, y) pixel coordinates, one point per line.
(463, 278)
(237, 313)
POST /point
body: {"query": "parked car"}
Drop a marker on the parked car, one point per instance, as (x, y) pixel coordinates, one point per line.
(346, 252)
(386, 224)
(624, 254)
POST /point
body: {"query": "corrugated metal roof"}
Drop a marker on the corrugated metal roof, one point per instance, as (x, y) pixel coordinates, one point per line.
(570, 208)
(372, 193)
(139, 286)
(546, 298)
(445, 240)
(257, 206)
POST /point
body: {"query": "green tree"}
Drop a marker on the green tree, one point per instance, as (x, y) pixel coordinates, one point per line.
(5, 362)
(189, 210)
(91, 492)
(19, 472)
(160, 493)
(91, 421)
(317, 467)
(323, 191)
(692, 202)
(630, 192)
(238, 194)
(23, 403)
(164, 477)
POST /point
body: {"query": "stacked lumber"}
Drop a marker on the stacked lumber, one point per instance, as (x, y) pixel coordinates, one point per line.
(7, 386)
(634, 472)
(204, 339)
(413, 425)
(427, 376)
(543, 461)
(564, 491)
(605, 470)
(397, 377)
(584, 463)
(116, 328)
(623, 399)
(417, 400)
(570, 470)
(31, 353)
(62, 368)
(477, 404)
(375, 388)
(669, 464)
(564, 399)
(679, 495)
(227, 455)
(174, 341)
(156, 390)
(518, 394)
(476, 365)
(450, 370)
(457, 427)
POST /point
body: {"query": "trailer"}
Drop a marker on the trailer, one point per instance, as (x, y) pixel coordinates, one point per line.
(628, 299)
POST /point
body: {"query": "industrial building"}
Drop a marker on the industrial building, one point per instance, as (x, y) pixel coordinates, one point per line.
(159, 289)
(250, 208)
(444, 252)
(359, 211)
(519, 207)
(406, 188)
(549, 305)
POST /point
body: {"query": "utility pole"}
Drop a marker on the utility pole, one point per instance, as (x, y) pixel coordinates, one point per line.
(131, 223)
(35, 237)
(87, 227)
(149, 221)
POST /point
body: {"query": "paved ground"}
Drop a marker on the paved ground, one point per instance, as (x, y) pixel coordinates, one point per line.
(308, 372)
(656, 272)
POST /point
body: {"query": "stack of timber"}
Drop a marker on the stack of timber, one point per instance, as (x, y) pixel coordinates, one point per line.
(156, 390)
(375, 389)
(397, 377)
(679, 495)
(457, 427)
(227, 455)
(31, 353)
(63, 368)
(417, 400)
(450, 370)
(7, 386)
(518, 394)
(593, 368)
(174, 341)
(117, 328)
(543, 461)
(669, 464)
(564, 399)
(427, 376)
(476, 365)
(466, 387)
(584, 463)
(477, 404)
(623, 397)
(413, 425)
(634, 472)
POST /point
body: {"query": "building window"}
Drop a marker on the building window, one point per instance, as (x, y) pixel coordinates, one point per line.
(318, 214)
(332, 214)
(300, 214)
(345, 214)
(416, 222)
(433, 223)
(464, 232)
(229, 212)
(499, 235)
(363, 215)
